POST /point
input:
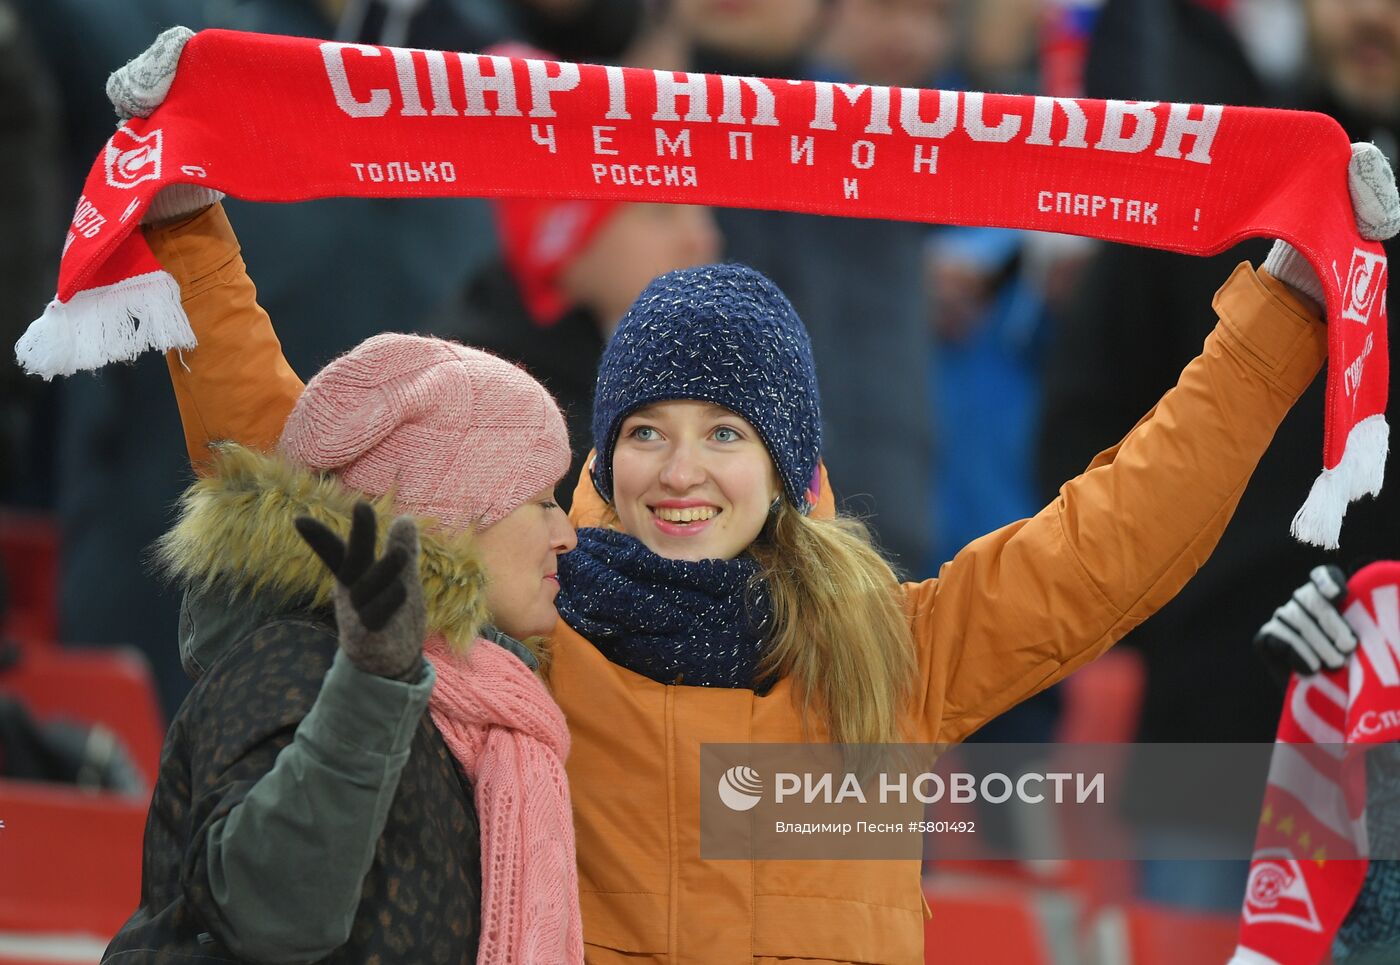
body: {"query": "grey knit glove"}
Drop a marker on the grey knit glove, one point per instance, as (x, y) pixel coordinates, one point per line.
(1371, 183)
(136, 90)
(1308, 633)
(379, 607)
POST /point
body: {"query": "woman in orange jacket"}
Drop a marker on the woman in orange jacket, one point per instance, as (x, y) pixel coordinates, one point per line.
(706, 603)
(715, 598)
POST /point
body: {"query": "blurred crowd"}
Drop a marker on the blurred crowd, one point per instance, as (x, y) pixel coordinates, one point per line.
(964, 372)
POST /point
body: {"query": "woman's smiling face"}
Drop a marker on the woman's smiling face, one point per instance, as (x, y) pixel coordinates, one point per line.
(692, 480)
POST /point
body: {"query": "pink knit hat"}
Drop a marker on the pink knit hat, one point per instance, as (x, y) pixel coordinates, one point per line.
(455, 433)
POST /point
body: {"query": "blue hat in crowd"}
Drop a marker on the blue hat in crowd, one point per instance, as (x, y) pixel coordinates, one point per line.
(723, 334)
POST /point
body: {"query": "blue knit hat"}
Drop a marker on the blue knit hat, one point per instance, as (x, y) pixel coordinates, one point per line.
(723, 334)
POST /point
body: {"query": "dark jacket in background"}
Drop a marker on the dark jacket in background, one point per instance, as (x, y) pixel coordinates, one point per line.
(490, 314)
(32, 213)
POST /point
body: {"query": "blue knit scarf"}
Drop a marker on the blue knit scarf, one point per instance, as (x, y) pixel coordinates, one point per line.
(677, 622)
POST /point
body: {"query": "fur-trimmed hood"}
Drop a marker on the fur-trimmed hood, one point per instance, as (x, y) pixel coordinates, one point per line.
(235, 534)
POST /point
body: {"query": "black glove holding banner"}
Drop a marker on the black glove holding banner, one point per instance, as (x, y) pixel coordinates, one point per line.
(1308, 632)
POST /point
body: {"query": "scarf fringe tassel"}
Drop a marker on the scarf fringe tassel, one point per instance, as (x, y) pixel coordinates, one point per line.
(1360, 473)
(114, 323)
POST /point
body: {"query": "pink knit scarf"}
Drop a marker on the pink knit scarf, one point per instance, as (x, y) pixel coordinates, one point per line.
(510, 738)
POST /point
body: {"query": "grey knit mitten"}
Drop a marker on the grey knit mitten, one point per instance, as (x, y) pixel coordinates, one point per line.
(136, 90)
(379, 609)
(1371, 183)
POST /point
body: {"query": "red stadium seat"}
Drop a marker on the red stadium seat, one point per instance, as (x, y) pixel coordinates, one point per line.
(1102, 705)
(70, 861)
(1145, 934)
(109, 686)
(29, 550)
(983, 925)
(1103, 700)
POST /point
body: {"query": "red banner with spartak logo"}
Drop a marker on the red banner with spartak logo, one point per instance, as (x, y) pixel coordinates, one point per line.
(287, 119)
(1311, 852)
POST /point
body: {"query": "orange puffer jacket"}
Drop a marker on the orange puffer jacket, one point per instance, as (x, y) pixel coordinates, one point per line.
(1011, 614)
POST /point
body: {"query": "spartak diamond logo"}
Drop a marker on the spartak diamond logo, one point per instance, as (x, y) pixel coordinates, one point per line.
(1277, 892)
(132, 158)
(1365, 278)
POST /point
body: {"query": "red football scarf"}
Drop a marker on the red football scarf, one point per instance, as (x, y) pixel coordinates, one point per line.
(1310, 851)
(284, 119)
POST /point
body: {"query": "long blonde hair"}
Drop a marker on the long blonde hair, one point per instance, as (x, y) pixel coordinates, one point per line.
(839, 629)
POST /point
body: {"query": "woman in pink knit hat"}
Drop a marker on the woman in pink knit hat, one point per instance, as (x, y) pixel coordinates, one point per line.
(307, 809)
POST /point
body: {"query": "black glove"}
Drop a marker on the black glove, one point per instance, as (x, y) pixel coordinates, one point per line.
(379, 607)
(1308, 632)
